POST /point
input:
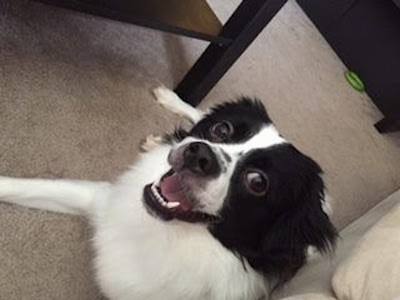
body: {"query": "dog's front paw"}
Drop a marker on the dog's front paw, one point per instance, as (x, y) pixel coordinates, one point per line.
(171, 101)
(167, 99)
(151, 142)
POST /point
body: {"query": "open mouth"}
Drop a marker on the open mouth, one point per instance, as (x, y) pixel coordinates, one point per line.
(168, 200)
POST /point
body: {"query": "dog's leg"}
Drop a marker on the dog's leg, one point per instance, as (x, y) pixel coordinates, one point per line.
(65, 196)
(172, 102)
(151, 142)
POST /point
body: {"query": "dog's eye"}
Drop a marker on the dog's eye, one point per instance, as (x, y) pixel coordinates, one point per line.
(221, 131)
(256, 182)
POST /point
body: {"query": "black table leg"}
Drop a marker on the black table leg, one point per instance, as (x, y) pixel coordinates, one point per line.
(242, 27)
(388, 125)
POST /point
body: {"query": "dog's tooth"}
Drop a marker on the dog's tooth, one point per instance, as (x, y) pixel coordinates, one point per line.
(173, 204)
(154, 189)
(156, 193)
(159, 198)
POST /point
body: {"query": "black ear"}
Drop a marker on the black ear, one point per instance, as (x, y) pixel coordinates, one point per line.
(285, 244)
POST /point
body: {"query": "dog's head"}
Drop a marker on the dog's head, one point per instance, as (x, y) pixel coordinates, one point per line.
(258, 194)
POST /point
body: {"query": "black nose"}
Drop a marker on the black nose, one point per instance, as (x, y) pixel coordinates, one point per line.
(200, 159)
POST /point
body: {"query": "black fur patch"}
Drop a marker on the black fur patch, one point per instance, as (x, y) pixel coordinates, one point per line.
(178, 135)
(274, 231)
(247, 116)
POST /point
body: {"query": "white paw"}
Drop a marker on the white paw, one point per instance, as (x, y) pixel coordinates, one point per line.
(168, 99)
(151, 142)
(171, 101)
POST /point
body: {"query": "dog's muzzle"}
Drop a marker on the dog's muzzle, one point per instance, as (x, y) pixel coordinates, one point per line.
(197, 158)
(171, 197)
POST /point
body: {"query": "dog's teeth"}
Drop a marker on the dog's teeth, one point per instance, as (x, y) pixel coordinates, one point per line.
(173, 204)
(159, 198)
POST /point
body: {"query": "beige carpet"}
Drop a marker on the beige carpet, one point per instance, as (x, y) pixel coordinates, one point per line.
(75, 102)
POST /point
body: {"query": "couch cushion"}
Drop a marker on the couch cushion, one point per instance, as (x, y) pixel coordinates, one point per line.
(372, 270)
(311, 296)
(316, 276)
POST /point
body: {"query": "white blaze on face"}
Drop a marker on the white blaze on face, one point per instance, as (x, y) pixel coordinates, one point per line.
(267, 137)
(211, 195)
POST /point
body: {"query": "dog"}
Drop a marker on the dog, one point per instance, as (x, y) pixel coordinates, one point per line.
(226, 210)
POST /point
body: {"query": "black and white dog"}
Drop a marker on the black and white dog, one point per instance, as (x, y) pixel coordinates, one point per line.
(224, 211)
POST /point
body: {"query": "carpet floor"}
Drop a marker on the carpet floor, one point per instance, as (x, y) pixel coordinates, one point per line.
(75, 102)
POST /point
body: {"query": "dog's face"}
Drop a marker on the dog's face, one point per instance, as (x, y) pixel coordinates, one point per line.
(257, 193)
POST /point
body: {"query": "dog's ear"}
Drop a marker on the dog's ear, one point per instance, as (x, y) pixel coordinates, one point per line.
(285, 245)
(177, 136)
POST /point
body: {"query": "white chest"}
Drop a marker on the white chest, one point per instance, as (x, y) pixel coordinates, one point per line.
(139, 257)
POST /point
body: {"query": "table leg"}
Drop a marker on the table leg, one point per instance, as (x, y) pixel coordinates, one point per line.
(388, 125)
(243, 26)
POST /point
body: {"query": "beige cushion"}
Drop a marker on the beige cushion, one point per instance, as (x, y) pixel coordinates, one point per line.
(311, 296)
(372, 270)
(316, 276)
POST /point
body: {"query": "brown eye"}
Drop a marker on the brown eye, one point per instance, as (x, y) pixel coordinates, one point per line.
(256, 182)
(222, 131)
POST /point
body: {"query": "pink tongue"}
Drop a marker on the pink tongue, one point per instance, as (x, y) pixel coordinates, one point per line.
(172, 191)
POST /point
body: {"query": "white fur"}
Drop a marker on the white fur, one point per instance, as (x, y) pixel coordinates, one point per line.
(65, 196)
(137, 255)
(213, 192)
(151, 142)
(171, 101)
(326, 204)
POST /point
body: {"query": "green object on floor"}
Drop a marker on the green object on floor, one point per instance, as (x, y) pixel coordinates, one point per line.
(355, 81)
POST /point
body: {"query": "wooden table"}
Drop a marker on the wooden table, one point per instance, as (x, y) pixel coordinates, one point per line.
(195, 19)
